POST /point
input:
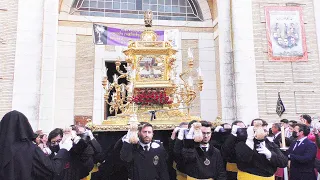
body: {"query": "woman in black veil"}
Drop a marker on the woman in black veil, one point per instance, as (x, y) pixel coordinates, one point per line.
(20, 158)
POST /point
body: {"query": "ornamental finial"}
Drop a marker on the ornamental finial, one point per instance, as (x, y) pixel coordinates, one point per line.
(148, 18)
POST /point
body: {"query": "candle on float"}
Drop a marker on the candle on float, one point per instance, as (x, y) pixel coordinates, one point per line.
(133, 107)
(190, 54)
(131, 87)
(104, 74)
(175, 100)
(133, 74)
(122, 89)
(190, 81)
(283, 140)
(107, 85)
(115, 77)
(199, 72)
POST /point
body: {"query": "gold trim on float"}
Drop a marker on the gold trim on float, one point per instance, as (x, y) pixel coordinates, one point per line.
(150, 65)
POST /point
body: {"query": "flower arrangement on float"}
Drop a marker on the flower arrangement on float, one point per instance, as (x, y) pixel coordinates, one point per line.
(151, 97)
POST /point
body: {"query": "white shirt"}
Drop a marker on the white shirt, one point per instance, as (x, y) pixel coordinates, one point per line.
(205, 145)
(300, 141)
(143, 145)
(276, 135)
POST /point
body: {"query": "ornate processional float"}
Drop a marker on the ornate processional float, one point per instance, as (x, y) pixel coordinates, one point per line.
(153, 93)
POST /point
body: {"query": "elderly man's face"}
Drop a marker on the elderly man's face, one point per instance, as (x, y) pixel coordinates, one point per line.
(274, 129)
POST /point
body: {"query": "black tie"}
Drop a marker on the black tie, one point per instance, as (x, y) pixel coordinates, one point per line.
(145, 148)
(296, 145)
(204, 149)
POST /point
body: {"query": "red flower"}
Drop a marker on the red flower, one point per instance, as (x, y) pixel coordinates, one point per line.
(149, 97)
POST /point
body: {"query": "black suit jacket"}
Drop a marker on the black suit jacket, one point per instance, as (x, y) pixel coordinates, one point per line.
(277, 140)
(252, 162)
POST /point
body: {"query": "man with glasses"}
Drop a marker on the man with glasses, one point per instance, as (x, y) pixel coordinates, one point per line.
(54, 138)
(81, 155)
(203, 160)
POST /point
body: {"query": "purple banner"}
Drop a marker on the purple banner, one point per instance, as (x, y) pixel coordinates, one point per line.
(118, 37)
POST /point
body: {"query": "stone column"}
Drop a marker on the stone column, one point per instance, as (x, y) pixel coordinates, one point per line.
(244, 61)
(27, 70)
(316, 4)
(48, 69)
(226, 61)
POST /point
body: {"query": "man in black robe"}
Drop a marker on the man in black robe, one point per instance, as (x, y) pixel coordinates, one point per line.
(147, 159)
(173, 160)
(228, 152)
(112, 167)
(96, 153)
(220, 134)
(20, 158)
(81, 156)
(202, 161)
(258, 159)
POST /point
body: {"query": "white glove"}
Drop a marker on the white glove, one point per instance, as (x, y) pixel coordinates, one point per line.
(73, 134)
(174, 133)
(217, 129)
(125, 138)
(47, 150)
(234, 130)
(190, 133)
(176, 130)
(89, 133)
(250, 143)
(250, 133)
(264, 150)
(66, 144)
(181, 133)
(76, 139)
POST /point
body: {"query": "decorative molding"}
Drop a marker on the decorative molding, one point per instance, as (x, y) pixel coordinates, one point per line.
(216, 34)
(215, 22)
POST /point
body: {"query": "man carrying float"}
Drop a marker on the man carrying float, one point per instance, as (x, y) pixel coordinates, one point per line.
(257, 157)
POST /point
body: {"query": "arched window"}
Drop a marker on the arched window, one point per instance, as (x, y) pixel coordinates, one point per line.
(179, 10)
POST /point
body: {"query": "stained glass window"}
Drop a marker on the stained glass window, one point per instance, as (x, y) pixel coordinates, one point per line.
(179, 10)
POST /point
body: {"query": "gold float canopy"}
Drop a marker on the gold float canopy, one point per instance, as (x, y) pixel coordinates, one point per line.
(154, 93)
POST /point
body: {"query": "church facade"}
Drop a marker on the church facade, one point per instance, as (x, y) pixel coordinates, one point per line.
(249, 50)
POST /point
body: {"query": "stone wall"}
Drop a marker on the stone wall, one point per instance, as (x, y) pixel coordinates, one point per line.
(8, 35)
(83, 94)
(298, 82)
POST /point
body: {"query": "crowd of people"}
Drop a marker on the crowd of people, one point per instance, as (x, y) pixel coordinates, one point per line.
(196, 150)
(68, 154)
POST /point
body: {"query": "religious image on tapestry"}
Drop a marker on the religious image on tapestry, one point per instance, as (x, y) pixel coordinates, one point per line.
(103, 35)
(286, 34)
